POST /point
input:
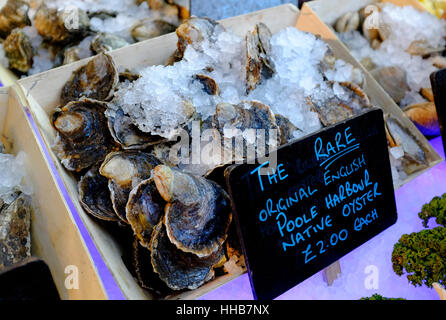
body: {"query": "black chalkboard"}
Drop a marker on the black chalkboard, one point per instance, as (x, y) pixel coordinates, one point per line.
(330, 193)
(438, 81)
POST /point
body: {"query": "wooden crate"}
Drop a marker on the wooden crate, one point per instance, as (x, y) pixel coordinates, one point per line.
(43, 91)
(55, 236)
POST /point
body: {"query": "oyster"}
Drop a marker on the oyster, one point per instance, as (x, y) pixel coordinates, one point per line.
(287, 129)
(414, 156)
(422, 48)
(127, 75)
(104, 42)
(354, 100)
(393, 80)
(94, 195)
(95, 80)
(144, 210)
(14, 14)
(209, 84)
(424, 116)
(83, 137)
(142, 266)
(60, 26)
(198, 213)
(127, 134)
(15, 224)
(125, 170)
(149, 28)
(264, 35)
(178, 269)
(194, 31)
(348, 22)
(19, 51)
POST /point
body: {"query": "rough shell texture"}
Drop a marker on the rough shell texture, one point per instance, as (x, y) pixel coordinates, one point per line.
(94, 195)
(198, 213)
(15, 223)
(348, 22)
(149, 28)
(265, 49)
(353, 102)
(104, 42)
(96, 80)
(19, 51)
(83, 138)
(194, 30)
(209, 84)
(127, 134)
(253, 62)
(14, 14)
(424, 115)
(143, 268)
(178, 269)
(287, 129)
(60, 26)
(393, 80)
(414, 155)
(125, 170)
(144, 210)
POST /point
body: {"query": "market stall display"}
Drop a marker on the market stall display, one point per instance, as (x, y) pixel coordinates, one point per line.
(401, 44)
(213, 76)
(39, 35)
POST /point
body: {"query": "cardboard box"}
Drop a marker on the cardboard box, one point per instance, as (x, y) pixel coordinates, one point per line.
(55, 233)
(42, 92)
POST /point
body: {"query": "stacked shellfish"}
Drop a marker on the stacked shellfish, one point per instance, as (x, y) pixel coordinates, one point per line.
(38, 35)
(371, 35)
(181, 220)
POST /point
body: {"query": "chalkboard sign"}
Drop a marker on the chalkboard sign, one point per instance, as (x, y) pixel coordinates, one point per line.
(328, 194)
(438, 81)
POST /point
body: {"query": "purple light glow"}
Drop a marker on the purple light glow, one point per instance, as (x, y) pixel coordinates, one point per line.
(377, 252)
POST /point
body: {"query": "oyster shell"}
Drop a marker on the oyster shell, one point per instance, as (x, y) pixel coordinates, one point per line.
(143, 269)
(414, 156)
(104, 42)
(424, 116)
(209, 84)
(127, 75)
(253, 62)
(337, 109)
(287, 129)
(19, 51)
(15, 224)
(125, 170)
(60, 26)
(149, 28)
(422, 48)
(194, 31)
(264, 35)
(127, 134)
(393, 80)
(144, 210)
(94, 195)
(13, 14)
(83, 137)
(198, 213)
(178, 269)
(95, 80)
(348, 22)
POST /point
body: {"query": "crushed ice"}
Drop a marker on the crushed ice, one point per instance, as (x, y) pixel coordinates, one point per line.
(12, 172)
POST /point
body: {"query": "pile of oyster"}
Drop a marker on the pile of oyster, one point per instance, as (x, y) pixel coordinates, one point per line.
(33, 30)
(181, 220)
(417, 103)
(15, 218)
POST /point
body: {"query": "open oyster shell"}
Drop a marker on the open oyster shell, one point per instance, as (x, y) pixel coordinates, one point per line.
(83, 138)
(149, 28)
(198, 213)
(95, 80)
